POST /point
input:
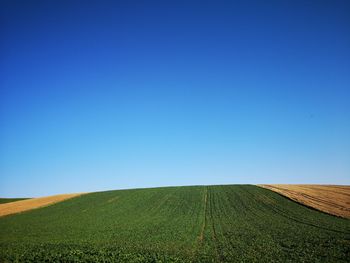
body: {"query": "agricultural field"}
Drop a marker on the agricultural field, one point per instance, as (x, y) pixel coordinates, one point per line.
(233, 223)
(9, 200)
(332, 199)
(19, 205)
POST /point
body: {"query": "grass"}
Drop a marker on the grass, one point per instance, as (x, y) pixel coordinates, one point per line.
(238, 223)
(9, 200)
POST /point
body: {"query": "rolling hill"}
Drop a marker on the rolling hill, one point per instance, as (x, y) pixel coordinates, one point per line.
(233, 223)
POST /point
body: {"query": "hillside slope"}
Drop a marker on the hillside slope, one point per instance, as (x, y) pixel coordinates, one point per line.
(332, 199)
(198, 224)
(10, 200)
(18, 206)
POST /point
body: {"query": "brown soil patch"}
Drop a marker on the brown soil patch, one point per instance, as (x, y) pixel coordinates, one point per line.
(332, 199)
(25, 205)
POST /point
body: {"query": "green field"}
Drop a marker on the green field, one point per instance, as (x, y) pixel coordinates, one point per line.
(238, 223)
(9, 200)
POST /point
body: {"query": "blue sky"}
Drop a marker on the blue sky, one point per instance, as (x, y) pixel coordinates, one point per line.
(99, 95)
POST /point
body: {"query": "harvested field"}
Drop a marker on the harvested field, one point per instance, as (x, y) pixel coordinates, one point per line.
(332, 199)
(29, 204)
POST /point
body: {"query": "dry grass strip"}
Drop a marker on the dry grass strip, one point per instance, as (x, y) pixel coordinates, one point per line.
(332, 199)
(29, 204)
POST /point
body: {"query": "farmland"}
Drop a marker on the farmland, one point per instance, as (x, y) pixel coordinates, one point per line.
(9, 200)
(236, 223)
(332, 199)
(14, 206)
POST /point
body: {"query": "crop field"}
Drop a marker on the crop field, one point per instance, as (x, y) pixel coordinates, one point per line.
(332, 199)
(234, 223)
(19, 205)
(9, 200)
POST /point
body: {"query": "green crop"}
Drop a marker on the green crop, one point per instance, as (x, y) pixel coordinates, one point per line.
(238, 223)
(8, 200)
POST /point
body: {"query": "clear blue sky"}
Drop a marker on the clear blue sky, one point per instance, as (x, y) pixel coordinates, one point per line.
(100, 95)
